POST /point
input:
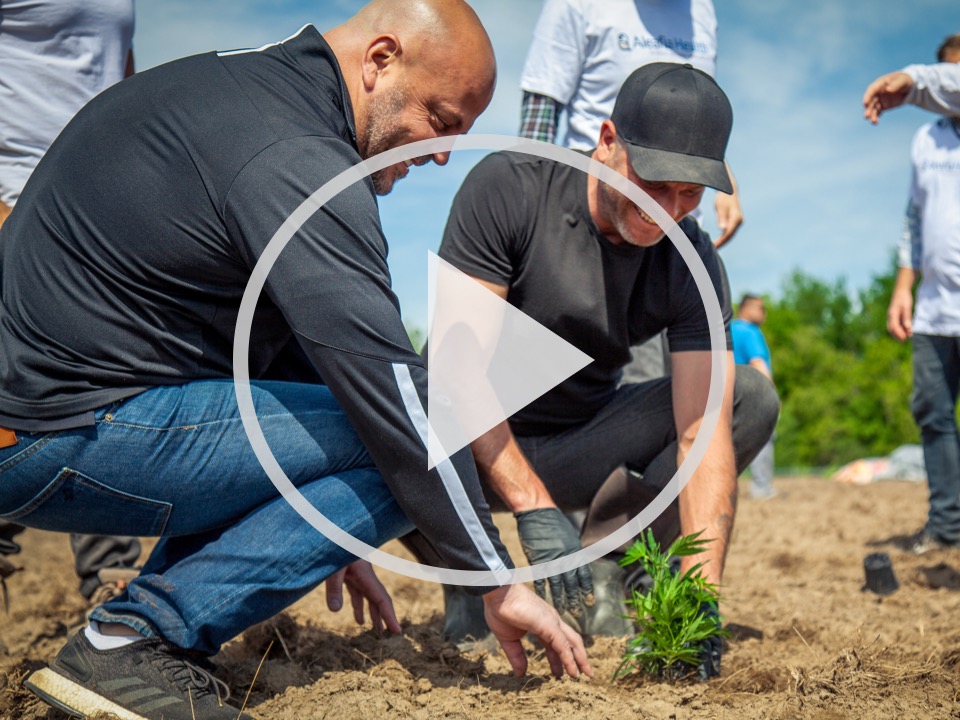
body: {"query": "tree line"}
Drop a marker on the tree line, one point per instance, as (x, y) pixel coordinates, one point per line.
(844, 383)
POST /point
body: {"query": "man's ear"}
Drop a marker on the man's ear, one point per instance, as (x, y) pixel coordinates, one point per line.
(607, 144)
(381, 53)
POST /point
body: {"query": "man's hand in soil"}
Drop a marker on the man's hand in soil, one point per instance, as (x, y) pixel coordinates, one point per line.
(362, 584)
(514, 610)
(546, 534)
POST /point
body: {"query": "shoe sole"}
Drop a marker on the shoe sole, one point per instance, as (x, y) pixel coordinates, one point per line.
(71, 698)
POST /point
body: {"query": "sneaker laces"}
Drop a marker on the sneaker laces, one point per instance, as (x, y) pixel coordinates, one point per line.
(190, 677)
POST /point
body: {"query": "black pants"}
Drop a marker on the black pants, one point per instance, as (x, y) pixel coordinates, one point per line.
(91, 553)
(636, 430)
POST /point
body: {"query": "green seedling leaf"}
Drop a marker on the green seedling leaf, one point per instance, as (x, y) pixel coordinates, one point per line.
(670, 623)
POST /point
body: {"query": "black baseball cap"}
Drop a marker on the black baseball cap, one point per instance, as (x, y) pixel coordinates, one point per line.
(675, 121)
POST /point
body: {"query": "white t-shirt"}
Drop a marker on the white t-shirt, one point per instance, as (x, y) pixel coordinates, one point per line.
(935, 199)
(54, 56)
(583, 50)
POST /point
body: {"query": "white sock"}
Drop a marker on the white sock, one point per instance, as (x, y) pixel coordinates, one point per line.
(108, 642)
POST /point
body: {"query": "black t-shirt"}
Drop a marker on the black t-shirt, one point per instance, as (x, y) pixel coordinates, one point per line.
(524, 222)
(123, 265)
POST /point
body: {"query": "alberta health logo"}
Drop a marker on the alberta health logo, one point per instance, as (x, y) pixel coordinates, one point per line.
(467, 341)
(661, 42)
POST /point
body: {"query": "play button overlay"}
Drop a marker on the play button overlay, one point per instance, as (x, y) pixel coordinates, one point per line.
(485, 359)
(450, 576)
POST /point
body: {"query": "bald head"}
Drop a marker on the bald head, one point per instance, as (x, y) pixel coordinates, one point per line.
(425, 68)
(436, 20)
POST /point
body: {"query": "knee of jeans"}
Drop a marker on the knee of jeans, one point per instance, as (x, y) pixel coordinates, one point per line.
(756, 396)
(933, 414)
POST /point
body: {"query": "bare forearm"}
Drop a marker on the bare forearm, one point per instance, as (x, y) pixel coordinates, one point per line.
(906, 277)
(4, 212)
(505, 468)
(709, 503)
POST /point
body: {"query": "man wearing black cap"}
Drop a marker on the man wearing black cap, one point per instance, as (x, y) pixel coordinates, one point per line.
(583, 260)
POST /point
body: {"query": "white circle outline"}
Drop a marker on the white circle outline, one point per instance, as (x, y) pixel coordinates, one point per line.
(419, 571)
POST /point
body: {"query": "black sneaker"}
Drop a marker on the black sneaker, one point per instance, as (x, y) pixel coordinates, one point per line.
(146, 680)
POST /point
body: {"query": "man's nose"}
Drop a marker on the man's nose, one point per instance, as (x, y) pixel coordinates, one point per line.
(441, 158)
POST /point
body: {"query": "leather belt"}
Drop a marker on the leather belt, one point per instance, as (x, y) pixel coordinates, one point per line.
(8, 438)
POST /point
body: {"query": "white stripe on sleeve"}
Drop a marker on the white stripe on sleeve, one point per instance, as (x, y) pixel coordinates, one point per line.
(227, 53)
(448, 474)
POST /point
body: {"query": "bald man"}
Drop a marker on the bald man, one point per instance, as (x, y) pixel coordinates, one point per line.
(118, 411)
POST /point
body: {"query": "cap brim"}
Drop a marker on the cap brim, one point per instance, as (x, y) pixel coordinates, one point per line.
(665, 166)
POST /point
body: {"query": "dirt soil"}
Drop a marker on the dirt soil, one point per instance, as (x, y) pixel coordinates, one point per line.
(806, 641)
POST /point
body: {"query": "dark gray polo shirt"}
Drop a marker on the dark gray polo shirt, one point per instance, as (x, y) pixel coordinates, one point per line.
(123, 265)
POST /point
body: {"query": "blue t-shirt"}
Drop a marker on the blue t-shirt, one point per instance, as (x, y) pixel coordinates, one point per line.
(748, 343)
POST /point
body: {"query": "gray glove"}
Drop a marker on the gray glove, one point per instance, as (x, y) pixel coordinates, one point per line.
(546, 534)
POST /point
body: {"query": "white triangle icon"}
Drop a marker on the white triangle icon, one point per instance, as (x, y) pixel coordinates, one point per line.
(486, 360)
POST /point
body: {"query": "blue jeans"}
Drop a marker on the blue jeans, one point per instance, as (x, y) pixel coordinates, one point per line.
(936, 374)
(174, 462)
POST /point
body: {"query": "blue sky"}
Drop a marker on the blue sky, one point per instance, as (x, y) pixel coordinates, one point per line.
(823, 191)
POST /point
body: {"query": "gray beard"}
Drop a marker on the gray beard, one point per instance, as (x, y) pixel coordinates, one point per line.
(380, 134)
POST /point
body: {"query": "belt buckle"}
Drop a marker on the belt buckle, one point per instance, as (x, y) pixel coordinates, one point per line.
(8, 438)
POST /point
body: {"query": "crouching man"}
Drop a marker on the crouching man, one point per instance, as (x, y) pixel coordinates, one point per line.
(123, 266)
(587, 263)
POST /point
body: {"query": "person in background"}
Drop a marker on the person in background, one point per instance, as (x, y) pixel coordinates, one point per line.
(750, 348)
(582, 51)
(930, 251)
(54, 57)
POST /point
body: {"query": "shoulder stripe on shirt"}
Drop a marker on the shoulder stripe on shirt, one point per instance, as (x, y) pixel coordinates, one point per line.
(226, 53)
(448, 474)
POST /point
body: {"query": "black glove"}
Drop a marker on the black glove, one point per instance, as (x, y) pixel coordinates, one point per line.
(546, 534)
(711, 648)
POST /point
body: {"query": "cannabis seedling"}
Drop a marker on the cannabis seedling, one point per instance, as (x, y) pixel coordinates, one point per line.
(671, 625)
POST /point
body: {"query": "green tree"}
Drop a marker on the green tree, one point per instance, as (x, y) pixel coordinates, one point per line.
(844, 383)
(417, 337)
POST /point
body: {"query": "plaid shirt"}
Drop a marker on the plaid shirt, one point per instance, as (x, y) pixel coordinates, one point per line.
(539, 116)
